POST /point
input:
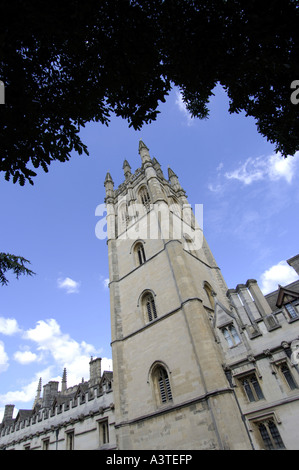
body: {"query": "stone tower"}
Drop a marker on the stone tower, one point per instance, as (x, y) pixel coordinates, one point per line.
(170, 389)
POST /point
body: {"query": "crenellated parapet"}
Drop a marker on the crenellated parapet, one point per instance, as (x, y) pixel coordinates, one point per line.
(81, 410)
(84, 410)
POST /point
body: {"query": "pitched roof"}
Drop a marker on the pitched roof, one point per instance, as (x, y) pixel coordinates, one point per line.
(24, 414)
(272, 297)
(286, 295)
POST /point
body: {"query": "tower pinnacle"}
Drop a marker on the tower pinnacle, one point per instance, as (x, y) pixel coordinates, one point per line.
(127, 169)
(173, 179)
(108, 183)
(38, 392)
(63, 382)
(144, 152)
(108, 179)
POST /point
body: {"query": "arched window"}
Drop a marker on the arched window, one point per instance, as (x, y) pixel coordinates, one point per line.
(122, 217)
(175, 206)
(188, 243)
(210, 293)
(162, 385)
(149, 307)
(139, 254)
(144, 197)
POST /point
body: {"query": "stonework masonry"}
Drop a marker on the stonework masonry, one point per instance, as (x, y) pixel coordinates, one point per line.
(195, 365)
(79, 417)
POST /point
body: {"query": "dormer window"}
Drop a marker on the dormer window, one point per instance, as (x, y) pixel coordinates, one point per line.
(231, 335)
(291, 311)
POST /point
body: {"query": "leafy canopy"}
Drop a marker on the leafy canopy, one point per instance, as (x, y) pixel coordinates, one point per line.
(14, 263)
(67, 63)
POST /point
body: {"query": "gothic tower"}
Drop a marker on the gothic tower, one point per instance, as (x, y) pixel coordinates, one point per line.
(170, 388)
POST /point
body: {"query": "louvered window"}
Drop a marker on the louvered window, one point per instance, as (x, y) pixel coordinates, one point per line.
(144, 196)
(164, 385)
(150, 307)
(140, 253)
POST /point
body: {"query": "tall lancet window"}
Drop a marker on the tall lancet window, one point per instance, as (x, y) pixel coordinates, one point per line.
(144, 197)
(210, 294)
(139, 254)
(175, 206)
(122, 217)
(149, 307)
(162, 385)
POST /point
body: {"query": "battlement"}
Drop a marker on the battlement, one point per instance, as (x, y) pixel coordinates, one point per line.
(94, 405)
(80, 409)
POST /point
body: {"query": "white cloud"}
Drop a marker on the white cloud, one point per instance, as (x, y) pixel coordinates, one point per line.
(272, 167)
(282, 167)
(65, 351)
(25, 357)
(27, 392)
(215, 188)
(43, 332)
(281, 273)
(104, 281)
(9, 326)
(59, 350)
(182, 107)
(1, 413)
(252, 170)
(75, 372)
(49, 338)
(3, 358)
(106, 364)
(69, 285)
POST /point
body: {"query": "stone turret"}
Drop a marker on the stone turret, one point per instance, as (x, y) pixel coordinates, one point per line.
(8, 412)
(95, 371)
(50, 392)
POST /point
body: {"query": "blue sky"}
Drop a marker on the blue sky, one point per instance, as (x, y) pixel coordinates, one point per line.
(61, 316)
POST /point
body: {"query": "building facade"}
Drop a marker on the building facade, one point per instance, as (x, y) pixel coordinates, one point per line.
(79, 417)
(195, 365)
